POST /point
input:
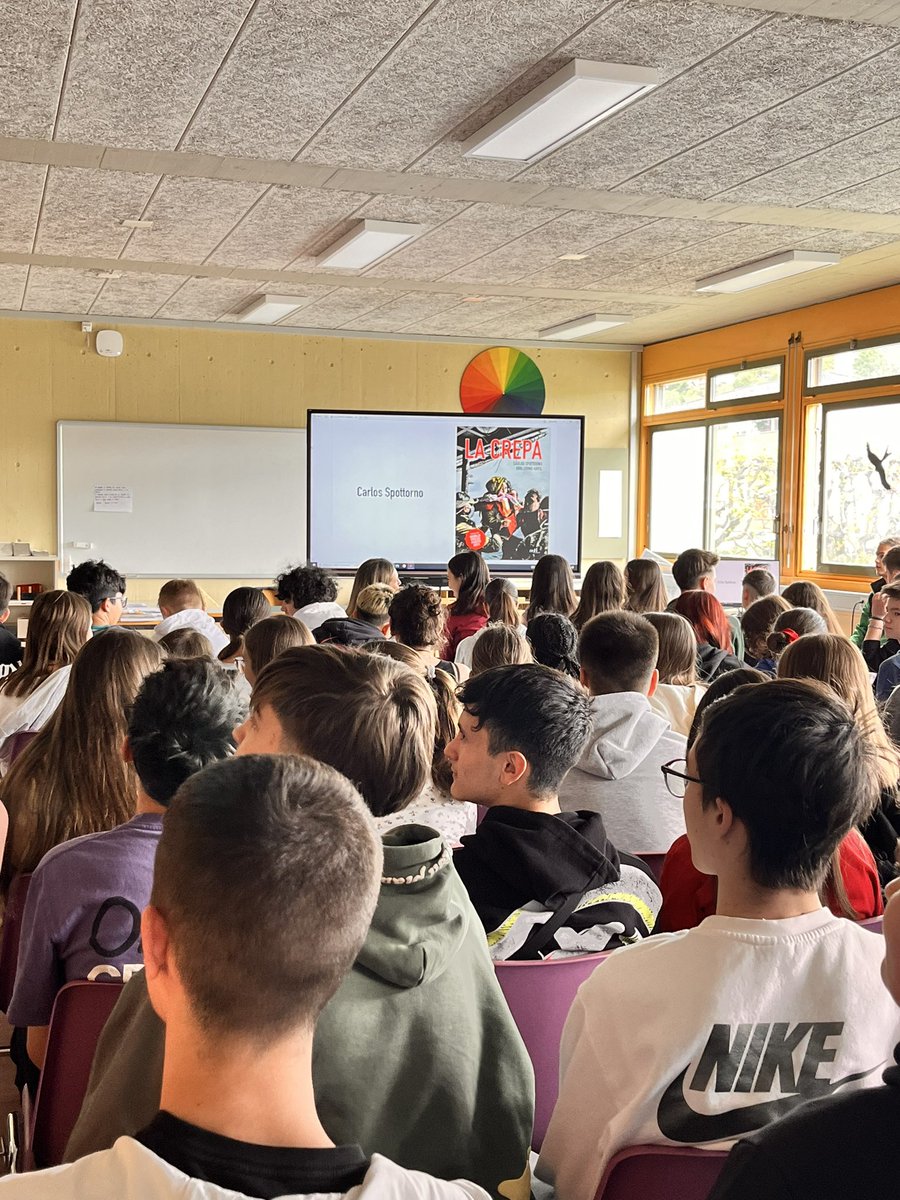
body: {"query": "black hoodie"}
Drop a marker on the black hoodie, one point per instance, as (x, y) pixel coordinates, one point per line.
(829, 1149)
(519, 867)
(348, 631)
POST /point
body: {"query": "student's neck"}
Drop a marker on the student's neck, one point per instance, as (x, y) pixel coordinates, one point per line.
(531, 803)
(256, 1093)
(146, 804)
(743, 898)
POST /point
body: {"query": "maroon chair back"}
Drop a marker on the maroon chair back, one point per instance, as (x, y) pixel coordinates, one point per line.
(661, 1173)
(80, 1011)
(18, 742)
(539, 995)
(9, 938)
(654, 862)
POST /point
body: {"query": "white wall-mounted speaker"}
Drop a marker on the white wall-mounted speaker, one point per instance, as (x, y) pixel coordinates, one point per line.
(109, 343)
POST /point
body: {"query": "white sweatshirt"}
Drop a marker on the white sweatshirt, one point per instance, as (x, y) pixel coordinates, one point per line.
(194, 618)
(129, 1171)
(698, 1037)
(677, 703)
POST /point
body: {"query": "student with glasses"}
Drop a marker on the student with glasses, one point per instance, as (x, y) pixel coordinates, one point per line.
(103, 588)
(699, 1037)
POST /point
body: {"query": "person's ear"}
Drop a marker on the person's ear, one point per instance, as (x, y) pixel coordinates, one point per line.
(654, 683)
(514, 767)
(127, 755)
(4, 616)
(158, 962)
(583, 679)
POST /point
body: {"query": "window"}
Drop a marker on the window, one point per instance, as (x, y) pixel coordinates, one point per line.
(847, 505)
(716, 484)
(677, 395)
(746, 384)
(855, 365)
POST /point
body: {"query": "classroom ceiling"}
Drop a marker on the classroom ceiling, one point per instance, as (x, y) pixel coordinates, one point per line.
(253, 132)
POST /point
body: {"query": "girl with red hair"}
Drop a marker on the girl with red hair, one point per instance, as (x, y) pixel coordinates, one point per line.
(712, 631)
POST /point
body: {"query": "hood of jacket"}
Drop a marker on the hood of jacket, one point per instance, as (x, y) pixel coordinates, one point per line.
(423, 912)
(193, 618)
(625, 730)
(545, 856)
(313, 615)
(348, 631)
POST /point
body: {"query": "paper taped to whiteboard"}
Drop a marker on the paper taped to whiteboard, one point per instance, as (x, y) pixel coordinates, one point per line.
(609, 504)
(113, 497)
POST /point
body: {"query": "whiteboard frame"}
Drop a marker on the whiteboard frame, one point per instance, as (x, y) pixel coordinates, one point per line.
(60, 425)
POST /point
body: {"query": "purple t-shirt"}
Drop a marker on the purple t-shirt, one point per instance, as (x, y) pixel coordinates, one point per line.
(82, 918)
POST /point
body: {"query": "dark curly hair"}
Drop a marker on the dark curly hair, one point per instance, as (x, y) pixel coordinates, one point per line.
(554, 641)
(417, 617)
(305, 585)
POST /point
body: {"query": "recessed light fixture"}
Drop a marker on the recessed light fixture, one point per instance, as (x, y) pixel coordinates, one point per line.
(592, 323)
(134, 224)
(267, 310)
(563, 107)
(766, 270)
(368, 242)
(571, 257)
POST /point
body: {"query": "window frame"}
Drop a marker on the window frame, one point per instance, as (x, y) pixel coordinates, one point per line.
(747, 364)
(854, 385)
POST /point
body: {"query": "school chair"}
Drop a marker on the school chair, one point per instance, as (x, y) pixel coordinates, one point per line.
(539, 995)
(873, 924)
(661, 1173)
(80, 1011)
(9, 938)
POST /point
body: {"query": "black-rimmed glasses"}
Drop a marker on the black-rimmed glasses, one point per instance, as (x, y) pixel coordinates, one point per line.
(677, 780)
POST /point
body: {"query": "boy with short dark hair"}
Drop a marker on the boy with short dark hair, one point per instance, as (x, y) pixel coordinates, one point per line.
(542, 881)
(695, 570)
(237, 1113)
(10, 646)
(423, 983)
(182, 607)
(103, 588)
(756, 584)
(309, 594)
(82, 915)
(617, 773)
(695, 1038)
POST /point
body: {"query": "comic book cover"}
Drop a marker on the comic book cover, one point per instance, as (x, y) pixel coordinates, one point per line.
(503, 490)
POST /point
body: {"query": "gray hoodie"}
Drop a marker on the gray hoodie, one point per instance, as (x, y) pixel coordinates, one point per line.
(618, 774)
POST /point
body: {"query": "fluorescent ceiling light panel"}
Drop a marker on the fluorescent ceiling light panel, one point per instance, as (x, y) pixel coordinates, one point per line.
(766, 270)
(367, 243)
(267, 310)
(583, 325)
(563, 107)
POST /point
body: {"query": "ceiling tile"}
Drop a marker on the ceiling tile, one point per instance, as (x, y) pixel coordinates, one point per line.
(33, 49)
(12, 286)
(208, 299)
(287, 225)
(84, 209)
(138, 71)
(342, 304)
(291, 68)
(396, 314)
(881, 195)
(137, 294)
(56, 289)
(21, 185)
(191, 217)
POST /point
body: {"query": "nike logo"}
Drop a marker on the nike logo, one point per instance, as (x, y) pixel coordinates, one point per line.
(680, 1123)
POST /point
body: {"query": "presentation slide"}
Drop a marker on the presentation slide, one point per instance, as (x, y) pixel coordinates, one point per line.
(417, 489)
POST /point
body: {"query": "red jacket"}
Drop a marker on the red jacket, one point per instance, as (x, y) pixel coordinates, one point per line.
(689, 896)
(457, 628)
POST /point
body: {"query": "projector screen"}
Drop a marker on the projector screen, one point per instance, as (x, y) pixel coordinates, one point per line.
(417, 489)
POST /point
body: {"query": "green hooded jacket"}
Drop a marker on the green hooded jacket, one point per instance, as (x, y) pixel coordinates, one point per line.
(416, 1056)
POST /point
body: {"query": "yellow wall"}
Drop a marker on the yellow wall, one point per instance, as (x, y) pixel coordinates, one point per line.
(50, 372)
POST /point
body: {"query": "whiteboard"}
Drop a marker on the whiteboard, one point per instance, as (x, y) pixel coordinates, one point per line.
(205, 501)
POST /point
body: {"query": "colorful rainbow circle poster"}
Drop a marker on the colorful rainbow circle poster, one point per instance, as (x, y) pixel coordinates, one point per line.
(504, 381)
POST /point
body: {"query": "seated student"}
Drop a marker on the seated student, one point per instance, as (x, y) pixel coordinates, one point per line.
(373, 570)
(502, 600)
(552, 588)
(712, 632)
(542, 881)
(371, 619)
(678, 692)
(237, 1112)
(838, 1146)
(59, 624)
(602, 590)
(10, 646)
(269, 638)
(423, 983)
(850, 886)
(756, 584)
(644, 586)
(82, 915)
(418, 621)
(554, 642)
(182, 607)
(103, 588)
(789, 626)
(804, 594)
(308, 593)
(618, 773)
(242, 608)
(875, 586)
(500, 646)
(467, 579)
(702, 1036)
(757, 622)
(878, 644)
(186, 643)
(695, 571)
(888, 676)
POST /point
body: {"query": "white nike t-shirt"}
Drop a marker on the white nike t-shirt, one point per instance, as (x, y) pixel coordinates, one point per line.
(699, 1037)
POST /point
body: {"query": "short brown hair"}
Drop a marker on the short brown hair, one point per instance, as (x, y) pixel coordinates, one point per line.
(676, 660)
(272, 636)
(691, 566)
(186, 643)
(759, 580)
(179, 594)
(618, 652)
(891, 559)
(373, 603)
(370, 717)
(891, 591)
(417, 616)
(303, 857)
(499, 646)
